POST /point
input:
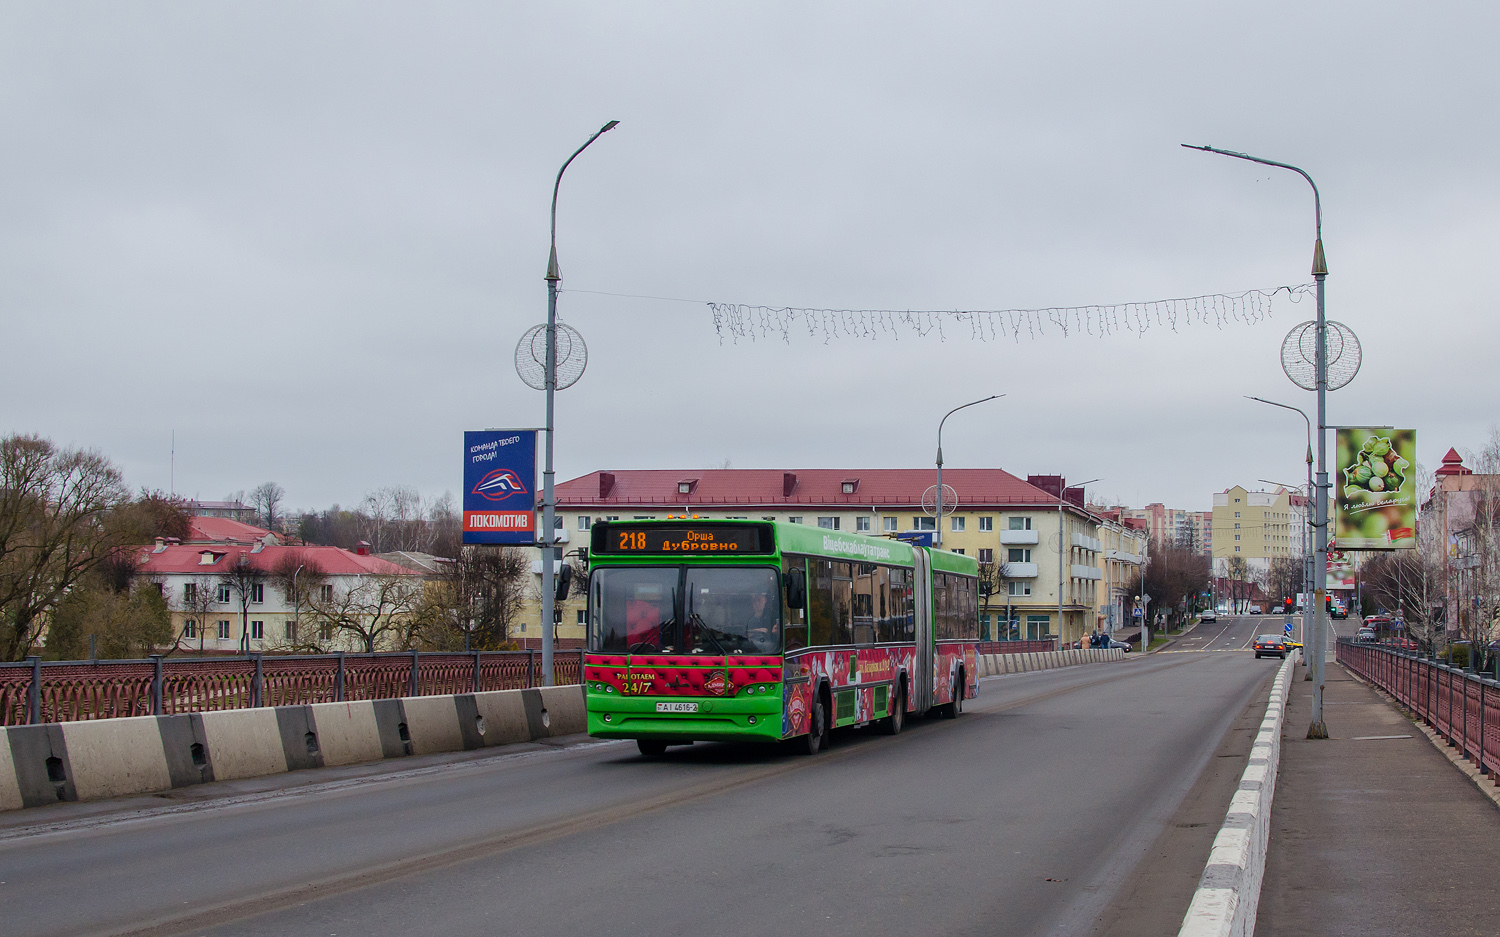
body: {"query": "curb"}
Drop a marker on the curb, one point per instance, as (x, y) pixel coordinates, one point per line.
(1486, 786)
(1229, 891)
(94, 759)
(994, 665)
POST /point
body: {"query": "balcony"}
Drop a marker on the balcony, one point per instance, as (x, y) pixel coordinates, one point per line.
(1018, 537)
(1087, 572)
(1134, 559)
(1018, 570)
(1087, 543)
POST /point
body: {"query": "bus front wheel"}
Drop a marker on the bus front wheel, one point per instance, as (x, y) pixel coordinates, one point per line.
(651, 748)
(817, 730)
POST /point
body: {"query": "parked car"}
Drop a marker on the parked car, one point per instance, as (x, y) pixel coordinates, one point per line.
(1112, 643)
(1366, 635)
(1208, 615)
(1267, 644)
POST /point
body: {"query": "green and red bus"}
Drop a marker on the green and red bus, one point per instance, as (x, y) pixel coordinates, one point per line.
(758, 631)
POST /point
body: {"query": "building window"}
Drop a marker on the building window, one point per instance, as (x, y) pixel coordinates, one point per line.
(794, 520)
(1019, 588)
(257, 592)
(291, 632)
(325, 631)
(923, 523)
(645, 517)
(862, 523)
(1038, 627)
(986, 523)
(1019, 555)
(1020, 523)
(1236, 514)
(583, 616)
(190, 629)
(956, 524)
(223, 629)
(986, 555)
(325, 593)
(1236, 526)
(1236, 536)
(585, 522)
(612, 517)
(190, 592)
(258, 630)
(223, 595)
(828, 523)
(889, 523)
(1236, 549)
(771, 517)
(959, 552)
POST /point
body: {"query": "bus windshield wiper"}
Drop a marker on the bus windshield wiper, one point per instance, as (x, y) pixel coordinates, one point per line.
(707, 632)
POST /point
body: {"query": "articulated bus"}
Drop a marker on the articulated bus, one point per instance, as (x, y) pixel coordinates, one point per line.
(754, 631)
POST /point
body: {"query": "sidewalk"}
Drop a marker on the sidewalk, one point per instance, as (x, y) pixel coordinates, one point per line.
(1374, 835)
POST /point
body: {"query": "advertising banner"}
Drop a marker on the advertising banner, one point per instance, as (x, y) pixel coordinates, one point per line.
(1375, 489)
(1340, 572)
(500, 486)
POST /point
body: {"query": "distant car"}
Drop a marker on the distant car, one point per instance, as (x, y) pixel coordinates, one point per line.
(1366, 635)
(1208, 615)
(1112, 643)
(1338, 612)
(1255, 609)
(1267, 644)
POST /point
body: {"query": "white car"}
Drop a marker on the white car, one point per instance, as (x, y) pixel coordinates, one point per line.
(1208, 615)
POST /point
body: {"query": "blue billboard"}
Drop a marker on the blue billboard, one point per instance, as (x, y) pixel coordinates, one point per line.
(500, 486)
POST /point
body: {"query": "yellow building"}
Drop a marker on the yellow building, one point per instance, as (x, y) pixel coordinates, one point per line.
(1256, 526)
(1028, 540)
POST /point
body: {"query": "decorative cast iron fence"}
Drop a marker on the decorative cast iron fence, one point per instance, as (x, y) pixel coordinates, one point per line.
(1017, 647)
(68, 691)
(1461, 706)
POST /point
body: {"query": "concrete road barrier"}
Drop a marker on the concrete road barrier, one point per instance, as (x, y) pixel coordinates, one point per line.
(43, 764)
(1229, 890)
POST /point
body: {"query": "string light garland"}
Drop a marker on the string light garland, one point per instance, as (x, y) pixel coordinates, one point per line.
(743, 321)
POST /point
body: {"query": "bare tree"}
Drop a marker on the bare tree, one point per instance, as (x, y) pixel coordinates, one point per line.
(247, 584)
(266, 499)
(61, 513)
(298, 577)
(374, 610)
(482, 592)
(199, 602)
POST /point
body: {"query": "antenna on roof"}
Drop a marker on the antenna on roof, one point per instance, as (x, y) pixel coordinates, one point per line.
(172, 472)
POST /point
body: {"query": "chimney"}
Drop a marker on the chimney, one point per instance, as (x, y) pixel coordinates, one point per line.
(788, 484)
(606, 483)
(362, 548)
(161, 545)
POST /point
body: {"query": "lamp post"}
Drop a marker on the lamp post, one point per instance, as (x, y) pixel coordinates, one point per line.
(937, 540)
(1061, 487)
(296, 605)
(545, 542)
(1316, 729)
(1308, 572)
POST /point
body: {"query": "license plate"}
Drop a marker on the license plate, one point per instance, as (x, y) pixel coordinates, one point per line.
(676, 707)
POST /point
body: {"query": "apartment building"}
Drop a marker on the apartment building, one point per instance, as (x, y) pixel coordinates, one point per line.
(1034, 538)
(1257, 526)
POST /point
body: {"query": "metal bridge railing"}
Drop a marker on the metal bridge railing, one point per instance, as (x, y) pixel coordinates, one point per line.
(68, 691)
(1461, 706)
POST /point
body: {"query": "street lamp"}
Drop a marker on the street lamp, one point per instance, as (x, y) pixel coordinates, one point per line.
(549, 536)
(1060, 489)
(1317, 729)
(296, 605)
(1308, 572)
(937, 541)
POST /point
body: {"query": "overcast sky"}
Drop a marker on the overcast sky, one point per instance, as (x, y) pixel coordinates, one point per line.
(307, 236)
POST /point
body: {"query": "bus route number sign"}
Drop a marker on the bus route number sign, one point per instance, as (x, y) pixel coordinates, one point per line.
(701, 541)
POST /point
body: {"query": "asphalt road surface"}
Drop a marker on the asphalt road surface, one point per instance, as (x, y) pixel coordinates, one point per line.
(1023, 816)
(1235, 632)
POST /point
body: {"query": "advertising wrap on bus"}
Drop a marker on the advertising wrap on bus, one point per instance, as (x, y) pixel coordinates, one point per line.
(738, 630)
(500, 486)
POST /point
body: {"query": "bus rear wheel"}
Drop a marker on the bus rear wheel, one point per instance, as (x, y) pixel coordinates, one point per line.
(896, 721)
(954, 709)
(651, 748)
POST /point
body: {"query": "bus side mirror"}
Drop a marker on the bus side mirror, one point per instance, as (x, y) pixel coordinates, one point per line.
(796, 588)
(564, 580)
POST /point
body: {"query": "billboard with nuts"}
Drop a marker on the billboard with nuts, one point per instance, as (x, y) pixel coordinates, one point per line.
(1375, 490)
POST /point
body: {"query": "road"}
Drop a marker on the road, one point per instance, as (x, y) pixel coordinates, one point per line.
(1022, 816)
(1233, 632)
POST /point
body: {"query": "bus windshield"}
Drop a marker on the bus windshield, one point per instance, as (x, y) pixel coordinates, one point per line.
(716, 610)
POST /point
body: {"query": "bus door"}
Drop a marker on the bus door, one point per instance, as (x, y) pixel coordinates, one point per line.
(921, 675)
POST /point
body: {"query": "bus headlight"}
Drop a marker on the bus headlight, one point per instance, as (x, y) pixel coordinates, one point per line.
(608, 717)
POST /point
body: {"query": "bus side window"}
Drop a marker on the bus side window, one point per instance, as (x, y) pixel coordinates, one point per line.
(866, 591)
(795, 619)
(843, 603)
(820, 602)
(971, 608)
(901, 624)
(882, 584)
